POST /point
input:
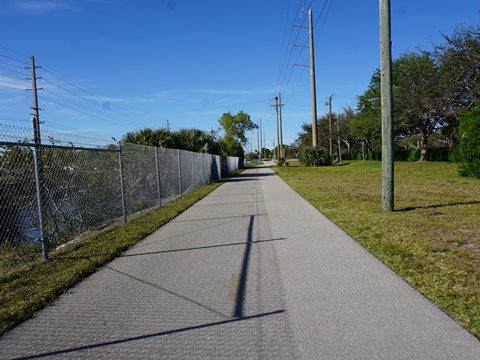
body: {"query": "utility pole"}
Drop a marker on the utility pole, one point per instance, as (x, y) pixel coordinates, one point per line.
(312, 78)
(260, 152)
(281, 135)
(329, 103)
(264, 145)
(278, 134)
(168, 126)
(338, 141)
(258, 145)
(35, 108)
(36, 159)
(387, 105)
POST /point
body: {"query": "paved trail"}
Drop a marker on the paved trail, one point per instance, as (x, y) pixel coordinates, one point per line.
(251, 271)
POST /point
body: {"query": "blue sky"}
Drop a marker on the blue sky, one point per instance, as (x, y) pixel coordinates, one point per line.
(114, 66)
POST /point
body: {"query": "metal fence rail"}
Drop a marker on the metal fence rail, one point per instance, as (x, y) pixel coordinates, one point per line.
(86, 183)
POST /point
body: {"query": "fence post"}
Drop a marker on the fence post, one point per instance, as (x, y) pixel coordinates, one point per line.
(179, 172)
(120, 162)
(193, 169)
(159, 185)
(203, 170)
(38, 184)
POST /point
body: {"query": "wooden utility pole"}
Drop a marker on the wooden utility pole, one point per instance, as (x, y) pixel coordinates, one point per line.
(312, 76)
(329, 102)
(387, 105)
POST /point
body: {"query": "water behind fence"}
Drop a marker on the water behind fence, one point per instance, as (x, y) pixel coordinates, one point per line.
(67, 185)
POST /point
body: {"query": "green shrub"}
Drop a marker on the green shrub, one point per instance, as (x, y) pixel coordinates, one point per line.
(375, 155)
(314, 156)
(414, 155)
(469, 149)
(454, 154)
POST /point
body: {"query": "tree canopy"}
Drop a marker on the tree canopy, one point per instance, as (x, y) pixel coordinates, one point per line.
(430, 91)
(185, 139)
(235, 127)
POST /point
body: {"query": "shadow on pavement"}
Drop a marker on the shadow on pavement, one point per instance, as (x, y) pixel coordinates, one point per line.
(148, 336)
(201, 247)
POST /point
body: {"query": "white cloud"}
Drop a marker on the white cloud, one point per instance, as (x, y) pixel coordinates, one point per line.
(229, 92)
(104, 99)
(169, 93)
(11, 100)
(10, 83)
(145, 100)
(42, 7)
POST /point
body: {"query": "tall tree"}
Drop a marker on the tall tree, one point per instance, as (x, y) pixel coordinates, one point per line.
(421, 97)
(459, 57)
(367, 128)
(235, 127)
(344, 129)
(366, 125)
(421, 101)
(304, 137)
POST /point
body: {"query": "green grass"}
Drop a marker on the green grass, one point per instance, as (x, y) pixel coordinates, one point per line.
(29, 286)
(260, 163)
(432, 239)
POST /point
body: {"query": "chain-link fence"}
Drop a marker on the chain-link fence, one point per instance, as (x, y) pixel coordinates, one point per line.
(55, 191)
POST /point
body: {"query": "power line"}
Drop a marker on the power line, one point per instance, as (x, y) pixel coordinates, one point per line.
(10, 58)
(18, 53)
(13, 83)
(83, 112)
(288, 54)
(100, 115)
(12, 71)
(99, 98)
(119, 115)
(11, 87)
(324, 20)
(13, 118)
(71, 95)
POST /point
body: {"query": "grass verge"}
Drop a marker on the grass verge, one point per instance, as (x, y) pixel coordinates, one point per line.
(432, 239)
(29, 287)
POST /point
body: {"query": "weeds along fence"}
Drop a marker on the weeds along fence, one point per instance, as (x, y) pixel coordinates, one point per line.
(67, 185)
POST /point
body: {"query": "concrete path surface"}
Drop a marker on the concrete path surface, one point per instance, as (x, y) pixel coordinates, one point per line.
(252, 271)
